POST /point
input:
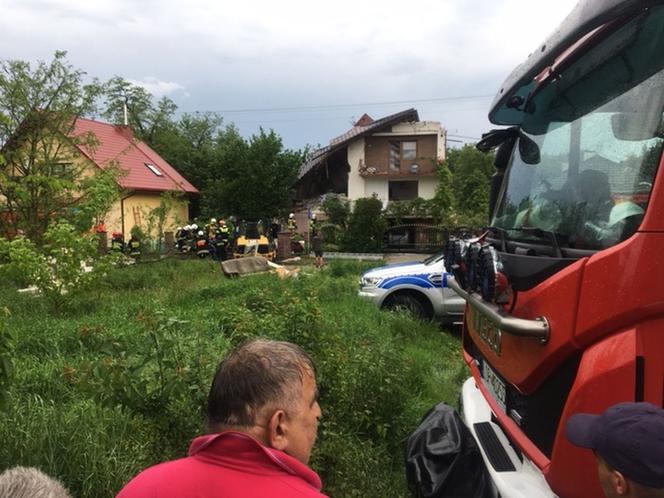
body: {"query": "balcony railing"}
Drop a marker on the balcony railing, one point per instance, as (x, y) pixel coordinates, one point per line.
(424, 169)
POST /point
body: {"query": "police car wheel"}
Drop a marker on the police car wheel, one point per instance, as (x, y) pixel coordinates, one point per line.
(406, 302)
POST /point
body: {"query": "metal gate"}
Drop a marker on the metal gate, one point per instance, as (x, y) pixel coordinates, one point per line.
(415, 238)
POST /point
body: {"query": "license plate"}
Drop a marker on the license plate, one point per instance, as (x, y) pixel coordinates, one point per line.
(494, 384)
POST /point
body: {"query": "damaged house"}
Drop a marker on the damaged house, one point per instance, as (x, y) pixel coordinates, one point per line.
(393, 158)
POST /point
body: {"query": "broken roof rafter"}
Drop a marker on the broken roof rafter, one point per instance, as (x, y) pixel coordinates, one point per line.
(364, 126)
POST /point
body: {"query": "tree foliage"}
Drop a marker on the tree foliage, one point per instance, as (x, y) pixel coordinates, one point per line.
(248, 178)
(471, 172)
(67, 265)
(39, 177)
(337, 210)
(147, 118)
(366, 226)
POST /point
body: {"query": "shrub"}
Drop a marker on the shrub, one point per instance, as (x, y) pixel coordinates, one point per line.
(66, 266)
(366, 226)
(337, 210)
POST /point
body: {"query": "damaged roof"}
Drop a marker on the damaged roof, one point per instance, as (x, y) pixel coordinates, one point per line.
(364, 126)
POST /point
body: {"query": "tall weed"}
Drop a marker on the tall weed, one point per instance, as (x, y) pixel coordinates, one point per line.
(124, 385)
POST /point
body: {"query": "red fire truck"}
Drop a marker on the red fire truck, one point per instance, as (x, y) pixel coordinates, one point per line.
(565, 289)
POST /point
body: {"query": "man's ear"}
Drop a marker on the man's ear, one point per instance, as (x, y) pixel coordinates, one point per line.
(277, 431)
(620, 484)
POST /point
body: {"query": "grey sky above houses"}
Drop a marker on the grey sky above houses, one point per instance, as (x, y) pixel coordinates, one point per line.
(306, 69)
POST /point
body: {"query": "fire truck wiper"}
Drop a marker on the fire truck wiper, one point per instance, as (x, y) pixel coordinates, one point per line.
(537, 232)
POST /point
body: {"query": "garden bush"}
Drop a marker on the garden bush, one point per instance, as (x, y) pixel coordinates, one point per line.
(366, 226)
(97, 397)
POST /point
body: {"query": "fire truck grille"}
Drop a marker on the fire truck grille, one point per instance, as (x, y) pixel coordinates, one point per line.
(538, 413)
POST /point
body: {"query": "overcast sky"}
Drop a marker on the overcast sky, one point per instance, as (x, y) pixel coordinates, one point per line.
(306, 69)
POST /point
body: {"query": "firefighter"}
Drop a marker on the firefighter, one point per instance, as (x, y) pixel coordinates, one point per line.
(193, 230)
(117, 242)
(202, 244)
(222, 239)
(180, 238)
(292, 224)
(134, 246)
(211, 228)
(314, 226)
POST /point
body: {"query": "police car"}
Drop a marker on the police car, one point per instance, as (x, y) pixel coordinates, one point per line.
(418, 286)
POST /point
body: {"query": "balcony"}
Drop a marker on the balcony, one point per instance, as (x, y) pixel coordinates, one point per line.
(417, 169)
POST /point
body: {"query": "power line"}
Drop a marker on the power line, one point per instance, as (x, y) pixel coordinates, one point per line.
(462, 136)
(341, 106)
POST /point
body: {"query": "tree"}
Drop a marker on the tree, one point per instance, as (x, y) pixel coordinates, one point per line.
(256, 177)
(471, 175)
(366, 226)
(157, 216)
(337, 210)
(39, 178)
(147, 118)
(443, 203)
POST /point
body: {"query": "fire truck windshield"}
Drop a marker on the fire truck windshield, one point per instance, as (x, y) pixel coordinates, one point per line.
(597, 131)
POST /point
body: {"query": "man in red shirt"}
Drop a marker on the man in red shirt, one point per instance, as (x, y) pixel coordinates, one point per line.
(263, 417)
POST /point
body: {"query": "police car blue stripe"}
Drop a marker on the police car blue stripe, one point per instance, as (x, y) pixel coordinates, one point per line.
(417, 280)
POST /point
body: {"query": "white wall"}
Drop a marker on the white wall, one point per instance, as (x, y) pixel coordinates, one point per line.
(355, 181)
(376, 186)
(359, 186)
(426, 188)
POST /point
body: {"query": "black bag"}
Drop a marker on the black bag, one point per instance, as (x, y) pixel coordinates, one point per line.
(443, 460)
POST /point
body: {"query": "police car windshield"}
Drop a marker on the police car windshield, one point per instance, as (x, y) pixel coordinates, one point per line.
(433, 259)
(596, 128)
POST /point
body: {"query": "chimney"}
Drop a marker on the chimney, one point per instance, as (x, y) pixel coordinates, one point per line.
(125, 131)
(365, 120)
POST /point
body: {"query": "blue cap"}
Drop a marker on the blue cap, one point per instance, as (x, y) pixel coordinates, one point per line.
(628, 436)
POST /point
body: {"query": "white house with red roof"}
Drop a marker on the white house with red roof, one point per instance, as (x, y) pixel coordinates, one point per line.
(146, 176)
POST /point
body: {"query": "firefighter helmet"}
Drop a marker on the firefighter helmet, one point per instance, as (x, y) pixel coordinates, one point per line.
(624, 210)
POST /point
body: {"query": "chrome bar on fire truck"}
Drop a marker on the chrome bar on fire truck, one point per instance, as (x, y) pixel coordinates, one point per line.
(537, 328)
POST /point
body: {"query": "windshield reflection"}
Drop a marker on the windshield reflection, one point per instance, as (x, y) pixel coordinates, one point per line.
(598, 148)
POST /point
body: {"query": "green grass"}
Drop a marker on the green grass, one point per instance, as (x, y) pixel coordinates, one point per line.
(117, 380)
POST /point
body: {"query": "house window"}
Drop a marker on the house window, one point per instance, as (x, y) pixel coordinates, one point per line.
(395, 155)
(401, 151)
(402, 190)
(409, 151)
(60, 169)
(154, 169)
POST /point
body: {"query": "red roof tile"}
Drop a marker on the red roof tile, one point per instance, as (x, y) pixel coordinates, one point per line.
(116, 143)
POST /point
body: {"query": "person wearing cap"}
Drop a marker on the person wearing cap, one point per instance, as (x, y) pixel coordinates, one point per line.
(628, 443)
